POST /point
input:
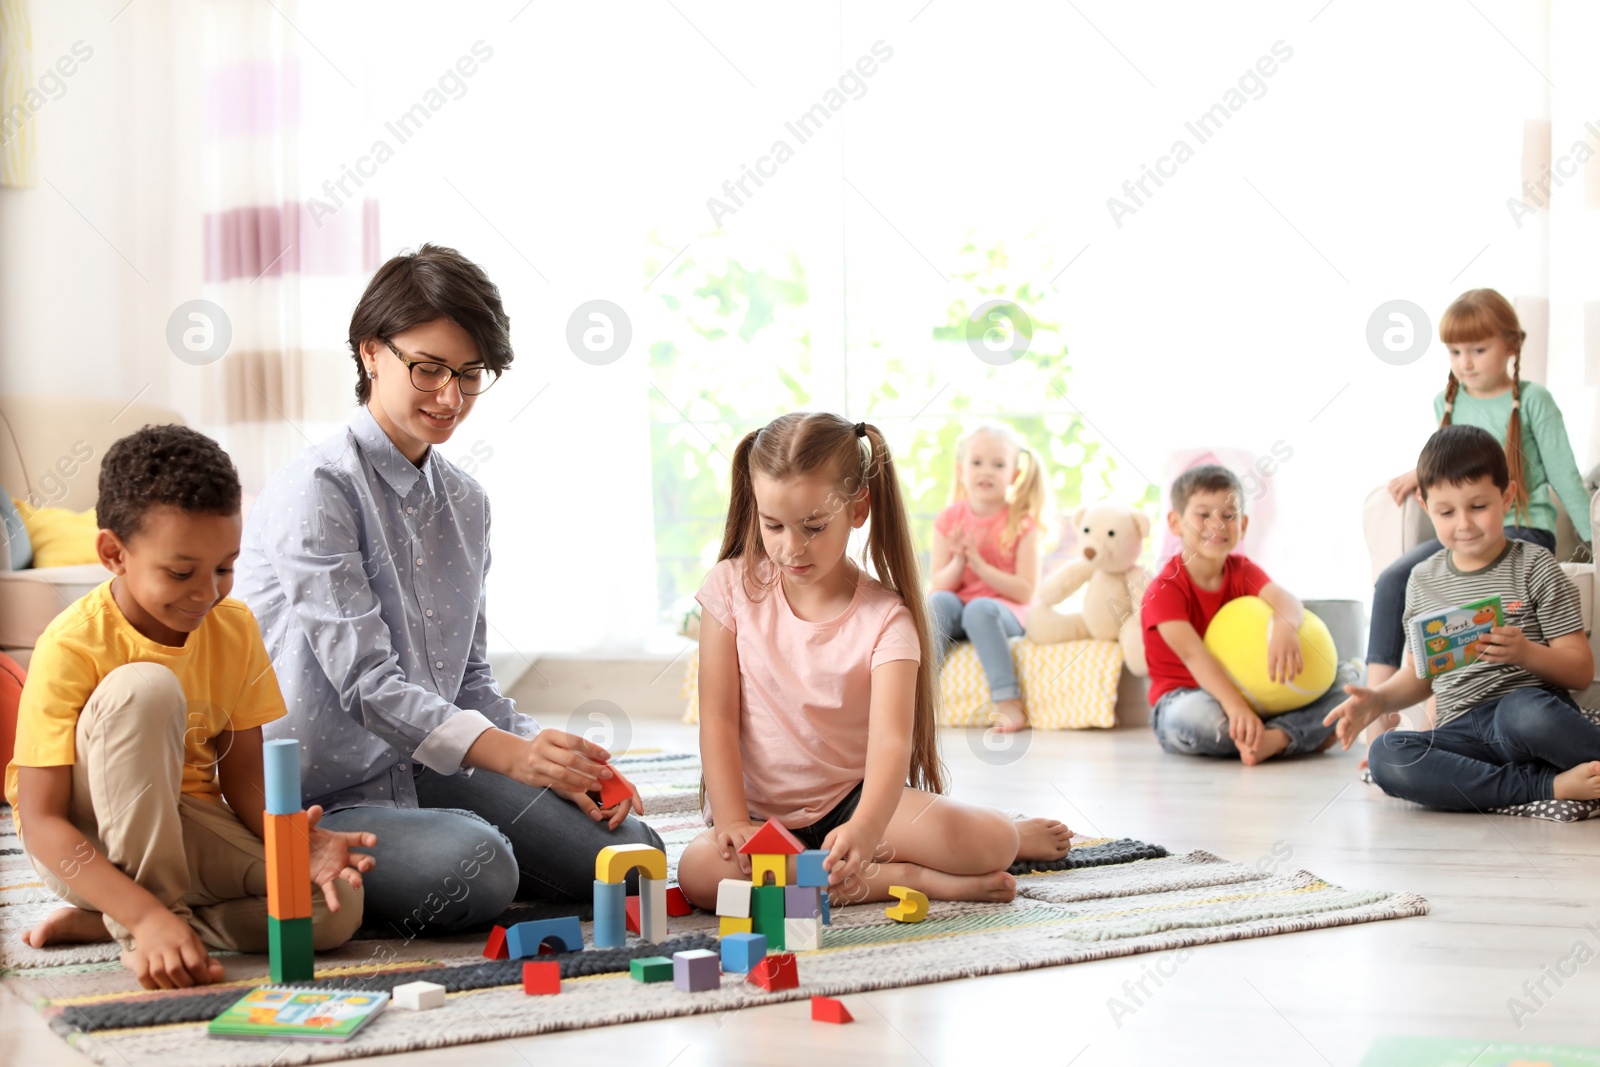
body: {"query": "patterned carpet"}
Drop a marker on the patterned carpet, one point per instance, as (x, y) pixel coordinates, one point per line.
(1113, 898)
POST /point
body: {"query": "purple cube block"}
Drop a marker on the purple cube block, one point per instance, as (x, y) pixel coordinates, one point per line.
(696, 970)
(801, 902)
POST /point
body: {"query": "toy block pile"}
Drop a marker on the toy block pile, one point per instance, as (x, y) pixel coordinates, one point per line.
(784, 916)
(287, 838)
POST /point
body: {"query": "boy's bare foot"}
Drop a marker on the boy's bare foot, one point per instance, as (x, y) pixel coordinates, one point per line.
(68, 926)
(1580, 783)
(997, 886)
(1042, 839)
(1273, 741)
(1009, 717)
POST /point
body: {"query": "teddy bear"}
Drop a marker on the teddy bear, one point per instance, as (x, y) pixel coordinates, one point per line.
(1111, 538)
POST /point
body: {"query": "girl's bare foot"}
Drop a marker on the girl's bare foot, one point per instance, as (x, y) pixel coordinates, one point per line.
(68, 926)
(1009, 717)
(1272, 742)
(1042, 839)
(1580, 783)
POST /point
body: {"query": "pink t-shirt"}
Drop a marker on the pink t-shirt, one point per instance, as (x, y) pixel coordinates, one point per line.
(805, 689)
(985, 531)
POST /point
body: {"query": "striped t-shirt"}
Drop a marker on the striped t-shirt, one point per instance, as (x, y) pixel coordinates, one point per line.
(1534, 595)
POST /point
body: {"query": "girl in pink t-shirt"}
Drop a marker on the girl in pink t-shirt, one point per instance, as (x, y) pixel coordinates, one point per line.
(816, 701)
(986, 560)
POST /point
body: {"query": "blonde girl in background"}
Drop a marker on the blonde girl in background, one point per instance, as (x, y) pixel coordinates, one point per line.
(986, 559)
(1485, 389)
(816, 698)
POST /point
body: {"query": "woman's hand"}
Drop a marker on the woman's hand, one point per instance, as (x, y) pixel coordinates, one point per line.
(1402, 487)
(850, 849)
(613, 815)
(332, 858)
(555, 759)
(730, 839)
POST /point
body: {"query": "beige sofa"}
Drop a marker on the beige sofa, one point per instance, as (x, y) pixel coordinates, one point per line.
(1391, 531)
(50, 452)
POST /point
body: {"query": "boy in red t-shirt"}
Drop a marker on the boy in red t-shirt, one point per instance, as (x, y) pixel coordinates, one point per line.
(1196, 708)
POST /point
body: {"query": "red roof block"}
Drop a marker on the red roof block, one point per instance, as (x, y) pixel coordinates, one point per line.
(828, 1010)
(772, 840)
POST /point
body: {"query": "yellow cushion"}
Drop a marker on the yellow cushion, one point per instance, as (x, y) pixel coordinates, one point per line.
(1066, 686)
(60, 538)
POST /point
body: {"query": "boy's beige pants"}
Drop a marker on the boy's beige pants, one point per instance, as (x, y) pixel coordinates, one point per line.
(192, 853)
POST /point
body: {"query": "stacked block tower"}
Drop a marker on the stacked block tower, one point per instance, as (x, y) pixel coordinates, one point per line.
(611, 867)
(787, 916)
(288, 845)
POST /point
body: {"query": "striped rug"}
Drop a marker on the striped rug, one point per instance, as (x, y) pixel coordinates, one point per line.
(1117, 898)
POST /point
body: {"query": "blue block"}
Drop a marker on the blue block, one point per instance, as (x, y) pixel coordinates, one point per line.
(800, 902)
(280, 769)
(610, 914)
(827, 910)
(523, 939)
(740, 952)
(808, 868)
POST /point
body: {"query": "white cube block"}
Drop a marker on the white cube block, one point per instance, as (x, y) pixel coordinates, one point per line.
(733, 898)
(800, 935)
(652, 908)
(419, 996)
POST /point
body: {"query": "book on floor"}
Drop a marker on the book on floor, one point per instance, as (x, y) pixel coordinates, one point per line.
(294, 1013)
(1449, 639)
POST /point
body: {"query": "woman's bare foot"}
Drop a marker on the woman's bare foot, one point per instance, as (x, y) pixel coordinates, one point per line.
(68, 926)
(997, 886)
(1580, 783)
(1042, 839)
(1009, 717)
(1273, 741)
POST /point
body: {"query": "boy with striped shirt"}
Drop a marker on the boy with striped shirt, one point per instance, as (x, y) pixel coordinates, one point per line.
(1509, 731)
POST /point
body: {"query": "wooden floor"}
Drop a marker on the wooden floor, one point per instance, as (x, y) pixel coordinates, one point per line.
(1510, 897)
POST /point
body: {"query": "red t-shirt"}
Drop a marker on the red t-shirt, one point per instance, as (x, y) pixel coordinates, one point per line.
(1173, 596)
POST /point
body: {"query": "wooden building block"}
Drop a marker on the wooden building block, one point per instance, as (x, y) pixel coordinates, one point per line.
(677, 904)
(696, 970)
(287, 841)
(740, 952)
(610, 914)
(801, 902)
(728, 925)
(495, 948)
(290, 956)
(615, 861)
(776, 972)
(913, 906)
(808, 869)
(766, 914)
(418, 996)
(828, 1010)
(652, 908)
(523, 939)
(650, 969)
(541, 976)
(733, 898)
(280, 773)
(802, 935)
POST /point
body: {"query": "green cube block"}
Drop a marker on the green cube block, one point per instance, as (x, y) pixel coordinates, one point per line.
(289, 943)
(650, 969)
(766, 914)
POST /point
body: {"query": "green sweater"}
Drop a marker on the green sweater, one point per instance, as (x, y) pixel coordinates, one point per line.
(1547, 463)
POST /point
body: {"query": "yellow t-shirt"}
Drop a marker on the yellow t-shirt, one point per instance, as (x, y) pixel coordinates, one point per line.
(223, 668)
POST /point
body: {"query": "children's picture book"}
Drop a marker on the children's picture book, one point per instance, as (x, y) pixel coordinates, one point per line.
(289, 1013)
(1450, 639)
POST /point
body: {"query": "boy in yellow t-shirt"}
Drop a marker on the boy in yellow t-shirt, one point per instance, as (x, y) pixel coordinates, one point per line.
(137, 782)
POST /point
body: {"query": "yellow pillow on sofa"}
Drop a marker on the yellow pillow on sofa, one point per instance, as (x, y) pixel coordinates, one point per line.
(1066, 686)
(61, 538)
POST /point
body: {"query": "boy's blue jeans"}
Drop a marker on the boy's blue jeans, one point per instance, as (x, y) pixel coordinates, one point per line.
(985, 622)
(1190, 722)
(1502, 753)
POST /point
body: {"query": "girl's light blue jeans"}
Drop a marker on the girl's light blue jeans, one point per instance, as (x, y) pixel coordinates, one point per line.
(988, 624)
